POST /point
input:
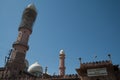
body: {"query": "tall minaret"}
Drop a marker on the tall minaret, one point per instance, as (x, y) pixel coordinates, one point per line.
(16, 62)
(62, 63)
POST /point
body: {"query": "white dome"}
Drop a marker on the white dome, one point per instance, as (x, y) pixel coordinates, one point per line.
(31, 6)
(35, 68)
(62, 52)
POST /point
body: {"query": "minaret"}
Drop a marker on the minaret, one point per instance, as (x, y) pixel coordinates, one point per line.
(16, 62)
(62, 63)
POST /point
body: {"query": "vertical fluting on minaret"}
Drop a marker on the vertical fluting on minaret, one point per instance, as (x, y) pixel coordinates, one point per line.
(62, 63)
(16, 62)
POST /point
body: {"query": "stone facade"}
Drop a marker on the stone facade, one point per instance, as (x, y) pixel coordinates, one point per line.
(99, 70)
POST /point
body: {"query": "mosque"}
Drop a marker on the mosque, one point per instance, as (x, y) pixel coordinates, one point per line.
(17, 68)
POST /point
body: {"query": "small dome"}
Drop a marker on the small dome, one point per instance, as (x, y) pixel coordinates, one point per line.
(32, 6)
(35, 69)
(62, 52)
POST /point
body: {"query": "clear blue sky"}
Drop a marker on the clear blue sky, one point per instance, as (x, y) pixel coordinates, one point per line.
(82, 28)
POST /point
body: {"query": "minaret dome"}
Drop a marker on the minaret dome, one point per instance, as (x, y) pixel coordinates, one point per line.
(32, 6)
(62, 52)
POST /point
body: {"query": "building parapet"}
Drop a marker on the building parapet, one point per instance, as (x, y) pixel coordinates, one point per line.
(96, 64)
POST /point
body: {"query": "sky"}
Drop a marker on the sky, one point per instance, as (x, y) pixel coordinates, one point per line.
(82, 28)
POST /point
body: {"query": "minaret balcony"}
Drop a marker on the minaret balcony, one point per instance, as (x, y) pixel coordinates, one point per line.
(21, 44)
